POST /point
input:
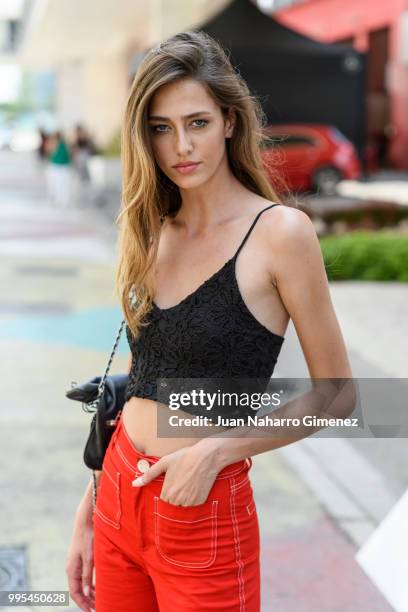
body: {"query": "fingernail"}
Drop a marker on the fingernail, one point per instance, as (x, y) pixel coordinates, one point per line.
(138, 482)
(86, 590)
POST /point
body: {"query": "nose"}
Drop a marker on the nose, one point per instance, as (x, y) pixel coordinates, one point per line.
(183, 143)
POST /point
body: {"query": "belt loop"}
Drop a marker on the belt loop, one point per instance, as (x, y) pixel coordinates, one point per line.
(249, 462)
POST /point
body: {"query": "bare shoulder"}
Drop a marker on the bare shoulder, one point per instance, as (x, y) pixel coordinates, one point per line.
(285, 228)
(289, 237)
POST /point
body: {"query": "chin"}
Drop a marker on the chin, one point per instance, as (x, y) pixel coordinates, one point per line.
(189, 182)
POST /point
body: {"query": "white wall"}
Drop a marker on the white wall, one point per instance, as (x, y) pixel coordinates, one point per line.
(92, 92)
(69, 94)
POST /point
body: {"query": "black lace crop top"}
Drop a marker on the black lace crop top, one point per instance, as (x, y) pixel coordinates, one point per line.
(209, 334)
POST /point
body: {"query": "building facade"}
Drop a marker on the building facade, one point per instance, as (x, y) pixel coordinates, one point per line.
(91, 46)
(380, 29)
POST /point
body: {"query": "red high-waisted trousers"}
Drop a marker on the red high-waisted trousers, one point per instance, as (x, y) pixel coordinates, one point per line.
(152, 556)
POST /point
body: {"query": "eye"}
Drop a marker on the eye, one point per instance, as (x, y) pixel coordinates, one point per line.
(155, 128)
(203, 124)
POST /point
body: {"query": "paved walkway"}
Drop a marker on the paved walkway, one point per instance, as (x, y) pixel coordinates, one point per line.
(383, 186)
(58, 317)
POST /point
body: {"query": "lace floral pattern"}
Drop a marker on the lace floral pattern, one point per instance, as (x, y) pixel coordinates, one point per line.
(210, 334)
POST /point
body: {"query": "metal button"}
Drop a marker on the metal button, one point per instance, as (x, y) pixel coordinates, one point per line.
(143, 465)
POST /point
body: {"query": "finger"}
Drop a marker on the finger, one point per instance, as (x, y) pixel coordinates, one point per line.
(75, 591)
(155, 470)
(84, 603)
(87, 572)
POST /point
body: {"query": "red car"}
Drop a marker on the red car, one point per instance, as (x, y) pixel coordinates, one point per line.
(309, 157)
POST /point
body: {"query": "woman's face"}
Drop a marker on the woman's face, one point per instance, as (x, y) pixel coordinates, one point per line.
(187, 125)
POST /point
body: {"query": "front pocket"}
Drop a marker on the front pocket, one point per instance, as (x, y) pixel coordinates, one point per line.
(108, 500)
(186, 535)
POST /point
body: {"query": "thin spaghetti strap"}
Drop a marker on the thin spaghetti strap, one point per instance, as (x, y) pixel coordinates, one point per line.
(251, 228)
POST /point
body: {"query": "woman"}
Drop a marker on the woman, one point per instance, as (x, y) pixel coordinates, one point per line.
(211, 268)
(83, 148)
(60, 171)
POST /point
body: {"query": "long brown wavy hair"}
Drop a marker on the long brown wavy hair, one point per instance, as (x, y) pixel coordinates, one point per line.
(148, 195)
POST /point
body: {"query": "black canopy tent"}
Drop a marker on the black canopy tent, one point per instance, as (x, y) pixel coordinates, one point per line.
(297, 79)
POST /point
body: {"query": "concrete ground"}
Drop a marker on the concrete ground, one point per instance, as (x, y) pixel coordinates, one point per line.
(58, 319)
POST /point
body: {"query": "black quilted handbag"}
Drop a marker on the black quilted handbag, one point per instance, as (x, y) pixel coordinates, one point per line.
(105, 398)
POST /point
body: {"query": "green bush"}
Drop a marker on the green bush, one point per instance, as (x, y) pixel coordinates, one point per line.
(366, 255)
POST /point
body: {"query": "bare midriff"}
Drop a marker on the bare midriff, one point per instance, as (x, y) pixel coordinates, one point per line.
(141, 418)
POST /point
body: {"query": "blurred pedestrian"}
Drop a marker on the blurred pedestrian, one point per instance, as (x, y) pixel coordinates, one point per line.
(59, 171)
(43, 147)
(83, 148)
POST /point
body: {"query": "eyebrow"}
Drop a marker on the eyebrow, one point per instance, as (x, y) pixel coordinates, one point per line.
(159, 118)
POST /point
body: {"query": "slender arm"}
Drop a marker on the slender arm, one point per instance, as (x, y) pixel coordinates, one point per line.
(298, 273)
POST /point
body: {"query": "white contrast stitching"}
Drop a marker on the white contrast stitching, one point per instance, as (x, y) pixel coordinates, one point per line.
(113, 522)
(122, 456)
(241, 585)
(251, 507)
(180, 521)
(241, 484)
(233, 473)
(109, 475)
(106, 519)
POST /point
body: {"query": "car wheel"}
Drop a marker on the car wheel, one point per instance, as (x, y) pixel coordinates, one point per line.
(325, 180)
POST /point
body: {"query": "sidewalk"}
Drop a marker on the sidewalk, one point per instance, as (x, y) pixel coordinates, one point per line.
(384, 186)
(58, 319)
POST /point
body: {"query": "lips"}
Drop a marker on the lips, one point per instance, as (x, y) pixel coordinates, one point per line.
(187, 168)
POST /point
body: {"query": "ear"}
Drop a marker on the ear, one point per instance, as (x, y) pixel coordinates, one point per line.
(230, 122)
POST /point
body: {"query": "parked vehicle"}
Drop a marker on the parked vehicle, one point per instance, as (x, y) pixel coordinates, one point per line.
(309, 157)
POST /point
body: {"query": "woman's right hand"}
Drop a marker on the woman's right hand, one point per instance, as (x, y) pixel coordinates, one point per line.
(79, 563)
